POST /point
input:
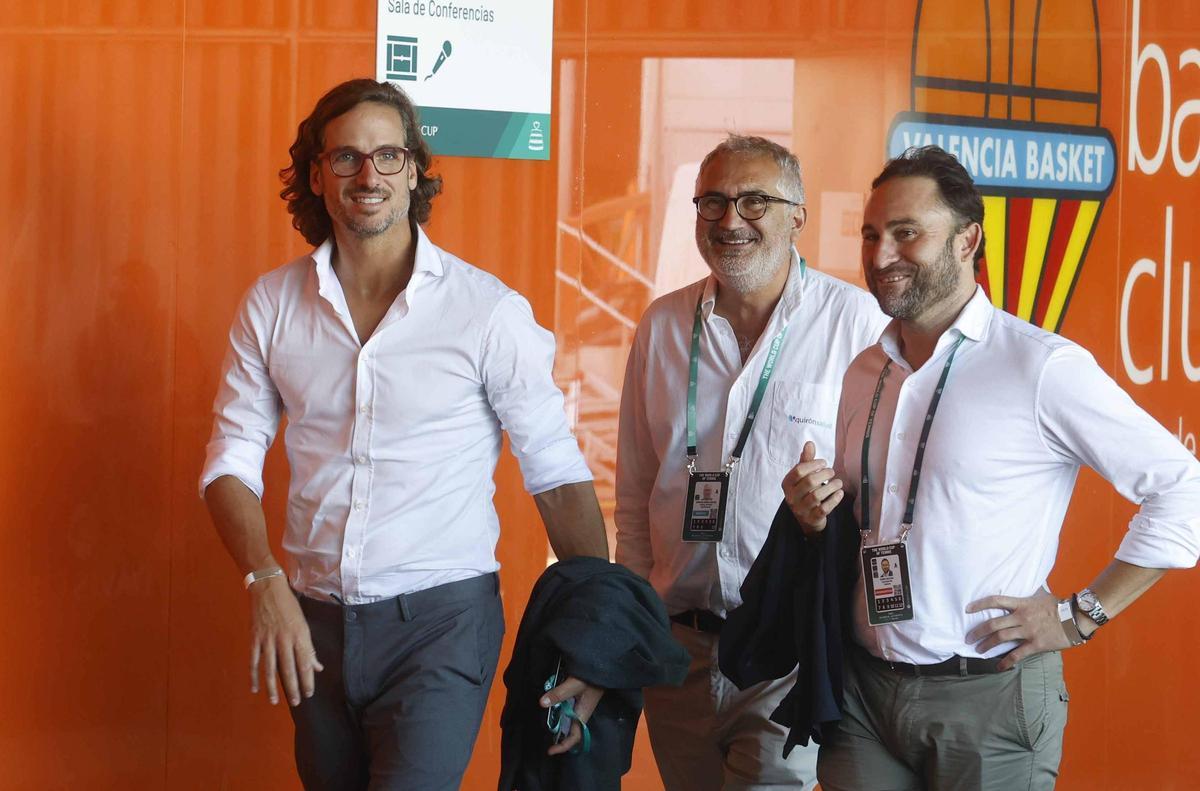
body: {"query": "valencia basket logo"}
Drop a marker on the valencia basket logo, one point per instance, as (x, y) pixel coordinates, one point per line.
(1012, 89)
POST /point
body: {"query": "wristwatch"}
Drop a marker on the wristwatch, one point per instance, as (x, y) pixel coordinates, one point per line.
(1066, 615)
(1089, 604)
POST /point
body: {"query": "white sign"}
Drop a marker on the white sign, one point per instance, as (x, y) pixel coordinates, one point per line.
(478, 70)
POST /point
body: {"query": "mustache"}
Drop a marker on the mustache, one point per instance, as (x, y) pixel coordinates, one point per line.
(898, 268)
(733, 236)
(368, 193)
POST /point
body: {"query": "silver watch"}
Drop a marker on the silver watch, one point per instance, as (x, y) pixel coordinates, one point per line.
(1089, 604)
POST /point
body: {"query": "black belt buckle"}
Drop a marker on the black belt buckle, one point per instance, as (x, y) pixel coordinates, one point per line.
(700, 620)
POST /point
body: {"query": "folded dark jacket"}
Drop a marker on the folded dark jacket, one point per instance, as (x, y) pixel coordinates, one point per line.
(795, 614)
(611, 630)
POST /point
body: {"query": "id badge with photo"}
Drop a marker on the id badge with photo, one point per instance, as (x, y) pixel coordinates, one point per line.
(704, 518)
(888, 588)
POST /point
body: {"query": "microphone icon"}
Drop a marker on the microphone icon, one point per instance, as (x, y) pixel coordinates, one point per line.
(441, 58)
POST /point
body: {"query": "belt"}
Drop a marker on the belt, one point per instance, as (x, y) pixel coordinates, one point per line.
(700, 620)
(954, 666)
(406, 606)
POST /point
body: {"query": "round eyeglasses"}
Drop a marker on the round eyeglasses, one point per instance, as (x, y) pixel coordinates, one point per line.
(751, 206)
(388, 160)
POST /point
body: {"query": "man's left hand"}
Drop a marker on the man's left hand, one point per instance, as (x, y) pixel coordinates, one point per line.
(587, 697)
(1031, 621)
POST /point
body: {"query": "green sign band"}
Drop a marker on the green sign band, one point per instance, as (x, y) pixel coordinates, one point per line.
(486, 133)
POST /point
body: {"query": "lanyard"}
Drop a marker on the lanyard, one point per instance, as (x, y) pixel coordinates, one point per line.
(693, 369)
(865, 497)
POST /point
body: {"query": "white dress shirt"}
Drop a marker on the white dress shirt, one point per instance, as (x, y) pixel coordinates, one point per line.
(1021, 411)
(829, 322)
(392, 443)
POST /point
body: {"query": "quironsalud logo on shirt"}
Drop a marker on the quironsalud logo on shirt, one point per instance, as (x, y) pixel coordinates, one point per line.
(809, 421)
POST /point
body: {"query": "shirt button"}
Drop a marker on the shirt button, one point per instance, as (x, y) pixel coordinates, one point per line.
(351, 552)
(362, 459)
(358, 505)
(893, 488)
(351, 615)
(900, 435)
(364, 409)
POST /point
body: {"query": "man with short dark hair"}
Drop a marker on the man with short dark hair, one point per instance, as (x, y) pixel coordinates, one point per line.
(726, 380)
(960, 435)
(397, 365)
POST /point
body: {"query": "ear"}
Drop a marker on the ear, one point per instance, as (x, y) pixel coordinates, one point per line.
(412, 174)
(314, 177)
(968, 242)
(799, 218)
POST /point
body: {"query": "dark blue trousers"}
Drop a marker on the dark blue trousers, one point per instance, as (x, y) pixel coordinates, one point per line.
(400, 701)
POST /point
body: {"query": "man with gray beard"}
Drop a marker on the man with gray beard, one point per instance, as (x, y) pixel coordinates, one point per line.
(763, 342)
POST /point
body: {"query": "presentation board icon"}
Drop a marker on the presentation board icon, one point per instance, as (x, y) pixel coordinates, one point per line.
(1013, 91)
(402, 58)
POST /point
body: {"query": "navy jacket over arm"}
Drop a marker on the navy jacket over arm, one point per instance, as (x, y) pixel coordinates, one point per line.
(611, 630)
(795, 613)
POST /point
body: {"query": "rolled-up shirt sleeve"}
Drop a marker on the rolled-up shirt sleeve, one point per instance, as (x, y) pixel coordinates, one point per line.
(247, 408)
(1085, 416)
(517, 365)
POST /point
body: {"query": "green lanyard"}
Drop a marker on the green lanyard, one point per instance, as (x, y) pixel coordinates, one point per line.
(693, 369)
(865, 495)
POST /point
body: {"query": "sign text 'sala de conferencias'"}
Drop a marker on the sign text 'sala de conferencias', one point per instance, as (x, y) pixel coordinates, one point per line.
(478, 71)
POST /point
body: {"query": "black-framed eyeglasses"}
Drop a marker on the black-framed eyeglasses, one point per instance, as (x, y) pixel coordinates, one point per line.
(750, 206)
(388, 160)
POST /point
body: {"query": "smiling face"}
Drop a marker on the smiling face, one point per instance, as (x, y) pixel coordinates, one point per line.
(745, 255)
(916, 259)
(367, 204)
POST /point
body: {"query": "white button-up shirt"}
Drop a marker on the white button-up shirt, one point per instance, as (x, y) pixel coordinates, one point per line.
(392, 443)
(829, 322)
(1021, 411)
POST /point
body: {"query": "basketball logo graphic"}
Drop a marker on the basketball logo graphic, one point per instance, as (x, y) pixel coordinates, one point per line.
(1013, 91)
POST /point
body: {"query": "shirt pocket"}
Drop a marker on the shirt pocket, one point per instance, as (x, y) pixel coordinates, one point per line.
(801, 411)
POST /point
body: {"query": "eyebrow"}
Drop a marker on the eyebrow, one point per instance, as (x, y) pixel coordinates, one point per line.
(891, 223)
(715, 194)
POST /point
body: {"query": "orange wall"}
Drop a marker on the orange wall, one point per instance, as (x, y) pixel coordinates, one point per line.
(141, 142)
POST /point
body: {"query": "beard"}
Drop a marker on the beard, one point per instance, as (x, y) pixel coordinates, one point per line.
(366, 227)
(743, 272)
(929, 285)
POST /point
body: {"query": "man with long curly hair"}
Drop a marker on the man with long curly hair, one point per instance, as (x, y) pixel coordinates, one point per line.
(397, 365)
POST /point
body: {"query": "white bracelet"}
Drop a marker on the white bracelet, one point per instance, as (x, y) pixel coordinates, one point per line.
(261, 574)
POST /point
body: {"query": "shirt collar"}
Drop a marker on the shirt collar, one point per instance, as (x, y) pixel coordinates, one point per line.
(427, 262)
(793, 289)
(972, 323)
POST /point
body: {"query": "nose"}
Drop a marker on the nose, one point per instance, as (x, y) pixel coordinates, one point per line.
(732, 220)
(879, 254)
(367, 175)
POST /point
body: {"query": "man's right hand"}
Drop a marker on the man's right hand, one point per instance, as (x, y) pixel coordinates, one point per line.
(280, 639)
(811, 491)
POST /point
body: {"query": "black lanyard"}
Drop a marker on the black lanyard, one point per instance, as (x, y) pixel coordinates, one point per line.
(865, 495)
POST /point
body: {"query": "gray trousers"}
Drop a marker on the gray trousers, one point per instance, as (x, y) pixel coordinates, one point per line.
(707, 735)
(996, 732)
(399, 703)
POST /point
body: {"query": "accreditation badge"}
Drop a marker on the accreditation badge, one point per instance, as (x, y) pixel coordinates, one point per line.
(885, 578)
(704, 519)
